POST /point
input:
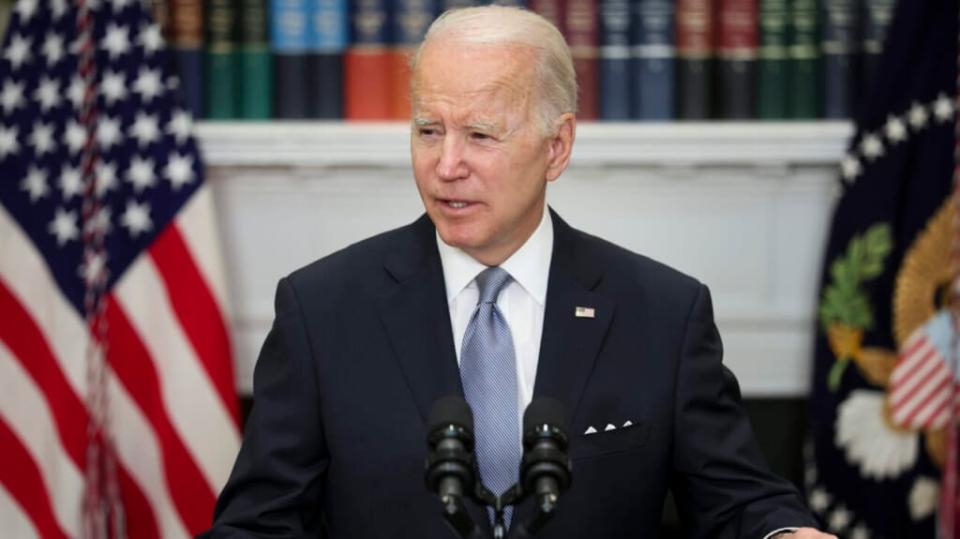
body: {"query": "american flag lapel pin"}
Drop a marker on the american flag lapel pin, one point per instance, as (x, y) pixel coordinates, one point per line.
(584, 312)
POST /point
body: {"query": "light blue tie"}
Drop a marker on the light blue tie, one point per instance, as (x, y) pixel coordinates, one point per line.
(488, 371)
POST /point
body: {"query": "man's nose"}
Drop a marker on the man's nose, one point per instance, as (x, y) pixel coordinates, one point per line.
(451, 165)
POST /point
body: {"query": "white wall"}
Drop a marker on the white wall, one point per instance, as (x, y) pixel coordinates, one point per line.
(743, 207)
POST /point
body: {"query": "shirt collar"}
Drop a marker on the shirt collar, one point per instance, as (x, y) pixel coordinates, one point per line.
(529, 265)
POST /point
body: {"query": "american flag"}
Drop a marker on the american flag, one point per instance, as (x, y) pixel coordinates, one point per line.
(113, 343)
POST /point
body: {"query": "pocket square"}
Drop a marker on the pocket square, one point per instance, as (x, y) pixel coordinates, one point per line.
(609, 427)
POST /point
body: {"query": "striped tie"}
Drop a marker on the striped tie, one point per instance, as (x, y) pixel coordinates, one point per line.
(489, 374)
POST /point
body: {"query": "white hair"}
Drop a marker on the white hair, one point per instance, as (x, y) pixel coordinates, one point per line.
(506, 25)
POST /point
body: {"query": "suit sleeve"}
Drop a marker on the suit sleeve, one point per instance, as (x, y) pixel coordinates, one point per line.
(275, 487)
(720, 481)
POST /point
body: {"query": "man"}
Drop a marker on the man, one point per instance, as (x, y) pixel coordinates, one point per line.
(366, 339)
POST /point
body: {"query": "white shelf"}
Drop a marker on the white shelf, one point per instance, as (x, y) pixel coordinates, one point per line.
(674, 144)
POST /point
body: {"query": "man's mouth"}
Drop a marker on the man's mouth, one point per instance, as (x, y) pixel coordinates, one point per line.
(455, 204)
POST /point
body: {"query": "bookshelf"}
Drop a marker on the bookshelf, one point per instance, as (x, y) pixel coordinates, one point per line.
(744, 207)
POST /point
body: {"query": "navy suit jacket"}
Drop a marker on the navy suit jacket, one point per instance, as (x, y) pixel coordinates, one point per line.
(362, 346)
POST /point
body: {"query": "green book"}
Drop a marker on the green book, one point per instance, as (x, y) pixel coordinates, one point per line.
(803, 61)
(221, 67)
(772, 61)
(6, 6)
(255, 61)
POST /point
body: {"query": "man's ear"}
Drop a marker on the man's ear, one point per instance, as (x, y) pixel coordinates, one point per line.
(560, 145)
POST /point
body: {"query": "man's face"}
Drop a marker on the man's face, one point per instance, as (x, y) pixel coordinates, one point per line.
(480, 160)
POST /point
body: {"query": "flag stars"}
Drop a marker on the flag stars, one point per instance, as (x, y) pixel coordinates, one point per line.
(860, 532)
(106, 178)
(118, 5)
(150, 38)
(64, 226)
(35, 184)
(75, 91)
(75, 136)
(871, 146)
(136, 218)
(41, 138)
(895, 129)
(943, 108)
(26, 9)
(18, 51)
(180, 125)
(94, 268)
(113, 86)
(148, 84)
(839, 519)
(108, 132)
(116, 41)
(47, 94)
(53, 48)
(918, 116)
(141, 174)
(71, 182)
(8, 141)
(11, 96)
(145, 129)
(179, 170)
(99, 223)
(819, 500)
(58, 8)
(851, 168)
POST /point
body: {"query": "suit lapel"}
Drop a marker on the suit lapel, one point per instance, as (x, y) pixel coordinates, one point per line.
(415, 314)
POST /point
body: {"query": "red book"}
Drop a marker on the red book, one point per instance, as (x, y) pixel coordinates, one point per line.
(582, 21)
(552, 10)
(368, 64)
(738, 40)
(695, 50)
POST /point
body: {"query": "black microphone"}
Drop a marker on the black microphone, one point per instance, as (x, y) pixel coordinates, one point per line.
(545, 471)
(450, 463)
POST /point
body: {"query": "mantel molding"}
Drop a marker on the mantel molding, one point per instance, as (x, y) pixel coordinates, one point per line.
(294, 145)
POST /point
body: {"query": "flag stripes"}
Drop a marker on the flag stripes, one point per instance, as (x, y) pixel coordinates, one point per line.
(922, 385)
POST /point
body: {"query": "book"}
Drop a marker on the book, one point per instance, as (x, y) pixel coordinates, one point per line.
(582, 24)
(186, 43)
(289, 38)
(368, 77)
(803, 61)
(772, 60)
(615, 83)
(410, 23)
(839, 57)
(737, 58)
(695, 59)
(653, 59)
(875, 16)
(329, 34)
(552, 10)
(6, 7)
(254, 62)
(222, 73)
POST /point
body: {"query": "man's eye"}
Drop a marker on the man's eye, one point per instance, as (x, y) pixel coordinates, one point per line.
(427, 131)
(480, 136)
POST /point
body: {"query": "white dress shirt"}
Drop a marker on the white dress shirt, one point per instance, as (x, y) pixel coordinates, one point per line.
(521, 302)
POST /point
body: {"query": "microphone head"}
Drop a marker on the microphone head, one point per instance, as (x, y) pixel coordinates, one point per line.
(450, 410)
(545, 411)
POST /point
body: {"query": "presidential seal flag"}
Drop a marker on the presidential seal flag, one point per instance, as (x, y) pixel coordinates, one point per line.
(884, 388)
(118, 415)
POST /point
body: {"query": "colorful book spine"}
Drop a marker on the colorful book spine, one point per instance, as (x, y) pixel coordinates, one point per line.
(695, 59)
(582, 22)
(289, 38)
(803, 70)
(254, 61)
(875, 17)
(615, 91)
(410, 24)
(737, 66)
(653, 59)
(839, 49)
(186, 38)
(368, 80)
(772, 61)
(221, 66)
(329, 34)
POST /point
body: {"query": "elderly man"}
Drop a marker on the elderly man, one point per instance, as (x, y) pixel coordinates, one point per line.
(494, 297)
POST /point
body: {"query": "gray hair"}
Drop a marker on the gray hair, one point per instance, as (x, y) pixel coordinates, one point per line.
(505, 25)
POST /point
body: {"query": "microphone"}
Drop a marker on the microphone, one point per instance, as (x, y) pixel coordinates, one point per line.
(545, 471)
(450, 462)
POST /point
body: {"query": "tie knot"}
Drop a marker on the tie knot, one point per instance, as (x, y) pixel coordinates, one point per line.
(490, 282)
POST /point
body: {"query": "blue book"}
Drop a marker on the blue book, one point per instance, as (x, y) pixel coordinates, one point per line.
(328, 34)
(653, 58)
(289, 42)
(839, 46)
(615, 60)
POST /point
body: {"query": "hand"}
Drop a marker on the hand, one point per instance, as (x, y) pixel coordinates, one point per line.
(805, 533)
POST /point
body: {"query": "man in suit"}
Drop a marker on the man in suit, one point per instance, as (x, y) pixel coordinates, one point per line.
(366, 339)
